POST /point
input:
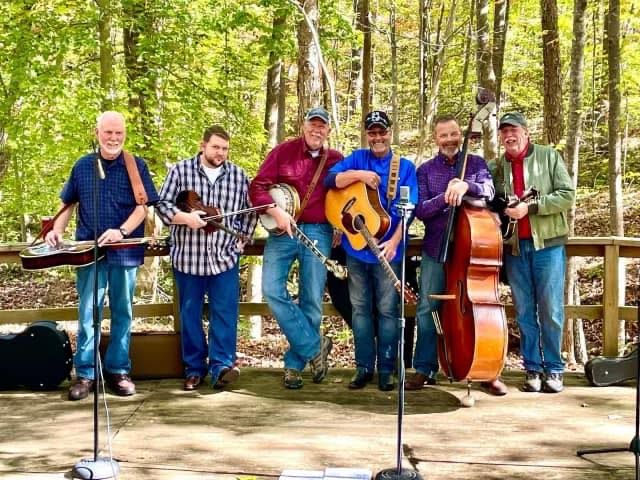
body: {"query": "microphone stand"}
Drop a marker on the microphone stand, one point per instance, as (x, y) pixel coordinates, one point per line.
(97, 467)
(398, 473)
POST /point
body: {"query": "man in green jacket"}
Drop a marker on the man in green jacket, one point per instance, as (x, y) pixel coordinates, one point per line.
(535, 259)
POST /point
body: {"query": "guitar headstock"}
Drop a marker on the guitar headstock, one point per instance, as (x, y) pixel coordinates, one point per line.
(158, 244)
(410, 297)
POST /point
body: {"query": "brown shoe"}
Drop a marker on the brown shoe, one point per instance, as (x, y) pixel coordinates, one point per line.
(226, 376)
(120, 384)
(192, 382)
(80, 388)
(495, 387)
(417, 381)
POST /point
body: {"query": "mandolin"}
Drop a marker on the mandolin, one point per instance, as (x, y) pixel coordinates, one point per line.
(78, 253)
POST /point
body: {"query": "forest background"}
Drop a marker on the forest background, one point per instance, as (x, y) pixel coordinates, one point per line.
(174, 67)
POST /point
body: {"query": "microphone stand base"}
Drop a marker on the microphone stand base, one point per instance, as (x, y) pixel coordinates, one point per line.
(393, 474)
(98, 468)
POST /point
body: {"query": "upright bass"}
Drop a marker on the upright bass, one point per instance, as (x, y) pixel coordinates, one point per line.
(473, 326)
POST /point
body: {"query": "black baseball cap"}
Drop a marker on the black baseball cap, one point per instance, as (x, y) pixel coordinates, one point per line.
(377, 117)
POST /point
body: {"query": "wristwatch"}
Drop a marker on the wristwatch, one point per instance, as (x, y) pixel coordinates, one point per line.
(124, 231)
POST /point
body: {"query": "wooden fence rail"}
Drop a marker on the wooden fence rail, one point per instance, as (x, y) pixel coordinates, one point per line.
(610, 248)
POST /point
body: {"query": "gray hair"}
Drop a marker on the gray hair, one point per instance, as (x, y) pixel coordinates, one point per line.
(109, 113)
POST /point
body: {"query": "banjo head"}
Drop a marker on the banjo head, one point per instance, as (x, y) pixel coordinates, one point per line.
(285, 197)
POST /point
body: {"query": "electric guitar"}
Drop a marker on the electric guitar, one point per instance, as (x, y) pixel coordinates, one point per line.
(78, 253)
(357, 211)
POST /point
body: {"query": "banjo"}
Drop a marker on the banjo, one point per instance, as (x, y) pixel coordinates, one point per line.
(286, 197)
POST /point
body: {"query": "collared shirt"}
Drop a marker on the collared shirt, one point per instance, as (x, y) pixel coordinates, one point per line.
(195, 251)
(433, 178)
(363, 159)
(115, 201)
(292, 163)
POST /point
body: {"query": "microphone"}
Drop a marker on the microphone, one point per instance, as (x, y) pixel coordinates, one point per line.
(404, 194)
(98, 161)
(404, 205)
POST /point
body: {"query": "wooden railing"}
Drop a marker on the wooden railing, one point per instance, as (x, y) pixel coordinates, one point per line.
(610, 248)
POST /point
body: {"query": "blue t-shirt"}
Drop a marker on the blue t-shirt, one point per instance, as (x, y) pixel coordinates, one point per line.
(363, 159)
(115, 202)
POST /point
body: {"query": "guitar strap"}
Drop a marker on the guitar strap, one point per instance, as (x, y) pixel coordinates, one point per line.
(312, 185)
(48, 225)
(394, 169)
(139, 192)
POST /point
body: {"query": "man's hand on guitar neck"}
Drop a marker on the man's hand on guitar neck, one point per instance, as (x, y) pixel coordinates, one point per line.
(282, 218)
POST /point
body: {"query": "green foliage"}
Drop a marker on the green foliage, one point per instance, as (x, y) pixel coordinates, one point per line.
(198, 62)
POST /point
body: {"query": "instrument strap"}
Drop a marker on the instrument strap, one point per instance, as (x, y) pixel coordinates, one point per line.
(312, 185)
(46, 228)
(139, 192)
(394, 169)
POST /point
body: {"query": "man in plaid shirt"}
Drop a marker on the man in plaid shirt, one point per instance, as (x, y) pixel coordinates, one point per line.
(205, 261)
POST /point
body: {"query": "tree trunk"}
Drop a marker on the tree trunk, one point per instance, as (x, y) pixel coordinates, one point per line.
(574, 135)
(615, 174)
(394, 74)
(106, 54)
(272, 112)
(142, 83)
(486, 77)
(354, 88)
(553, 116)
(309, 70)
(435, 72)
(366, 67)
(500, 26)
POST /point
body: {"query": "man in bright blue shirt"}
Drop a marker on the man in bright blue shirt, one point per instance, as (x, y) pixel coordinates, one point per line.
(100, 186)
(368, 280)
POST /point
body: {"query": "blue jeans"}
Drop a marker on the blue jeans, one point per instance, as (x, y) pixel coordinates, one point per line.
(121, 283)
(223, 293)
(300, 322)
(368, 283)
(425, 359)
(537, 285)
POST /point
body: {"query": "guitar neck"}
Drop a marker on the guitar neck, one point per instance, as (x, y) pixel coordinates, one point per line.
(371, 242)
(120, 243)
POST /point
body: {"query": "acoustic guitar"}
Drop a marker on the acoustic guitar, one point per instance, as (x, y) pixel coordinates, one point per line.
(357, 211)
(78, 253)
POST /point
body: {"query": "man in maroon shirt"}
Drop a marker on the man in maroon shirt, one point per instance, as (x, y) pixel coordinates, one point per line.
(295, 163)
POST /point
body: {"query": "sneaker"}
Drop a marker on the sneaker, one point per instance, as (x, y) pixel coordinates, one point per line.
(319, 364)
(292, 378)
(553, 383)
(532, 382)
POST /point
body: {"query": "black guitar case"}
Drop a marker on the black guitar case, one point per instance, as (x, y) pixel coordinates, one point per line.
(606, 371)
(38, 358)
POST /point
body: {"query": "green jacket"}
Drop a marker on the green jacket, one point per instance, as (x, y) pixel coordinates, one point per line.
(545, 170)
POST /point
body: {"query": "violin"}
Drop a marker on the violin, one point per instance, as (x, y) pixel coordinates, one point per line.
(188, 201)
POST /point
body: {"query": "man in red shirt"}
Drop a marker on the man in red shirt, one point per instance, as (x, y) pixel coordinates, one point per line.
(298, 163)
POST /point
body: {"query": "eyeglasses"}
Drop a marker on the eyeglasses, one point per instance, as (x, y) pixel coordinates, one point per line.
(377, 133)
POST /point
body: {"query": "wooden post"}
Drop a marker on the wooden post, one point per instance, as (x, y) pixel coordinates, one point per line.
(610, 301)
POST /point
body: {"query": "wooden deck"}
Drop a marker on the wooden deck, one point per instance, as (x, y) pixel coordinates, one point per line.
(257, 429)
